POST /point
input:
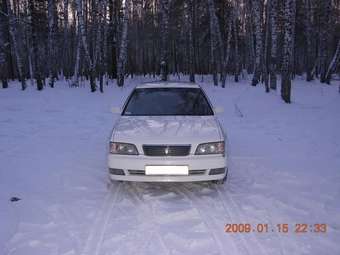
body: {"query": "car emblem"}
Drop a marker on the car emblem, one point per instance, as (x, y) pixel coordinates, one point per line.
(167, 150)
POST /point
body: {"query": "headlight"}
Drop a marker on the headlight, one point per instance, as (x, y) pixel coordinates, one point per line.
(123, 148)
(210, 148)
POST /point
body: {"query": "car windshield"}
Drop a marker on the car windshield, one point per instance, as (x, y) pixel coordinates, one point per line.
(167, 101)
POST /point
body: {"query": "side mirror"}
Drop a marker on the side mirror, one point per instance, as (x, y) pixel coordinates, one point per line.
(218, 109)
(116, 110)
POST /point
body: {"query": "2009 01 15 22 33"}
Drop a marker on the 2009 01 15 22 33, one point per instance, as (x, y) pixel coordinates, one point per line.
(279, 228)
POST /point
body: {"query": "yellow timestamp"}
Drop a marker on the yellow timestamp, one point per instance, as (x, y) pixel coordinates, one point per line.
(298, 228)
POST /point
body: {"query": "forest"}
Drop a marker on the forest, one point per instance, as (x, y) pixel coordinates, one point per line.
(42, 41)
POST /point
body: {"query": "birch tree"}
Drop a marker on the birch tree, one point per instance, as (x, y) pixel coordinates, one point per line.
(122, 59)
(309, 37)
(85, 45)
(189, 8)
(65, 45)
(100, 42)
(265, 71)
(257, 6)
(37, 11)
(12, 31)
(286, 72)
(236, 14)
(52, 29)
(4, 44)
(3, 64)
(227, 51)
(325, 16)
(97, 39)
(75, 79)
(249, 38)
(28, 41)
(164, 34)
(215, 38)
(334, 63)
(273, 50)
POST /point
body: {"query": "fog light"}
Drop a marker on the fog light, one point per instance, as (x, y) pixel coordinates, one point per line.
(214, 171)
(116, 171)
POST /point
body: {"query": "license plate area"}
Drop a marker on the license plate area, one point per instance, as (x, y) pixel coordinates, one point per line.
(166, 170)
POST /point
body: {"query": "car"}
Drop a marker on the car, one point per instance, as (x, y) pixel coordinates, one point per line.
(168, 132)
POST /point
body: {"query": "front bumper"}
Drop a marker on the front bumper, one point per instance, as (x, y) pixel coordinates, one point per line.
(199, 167)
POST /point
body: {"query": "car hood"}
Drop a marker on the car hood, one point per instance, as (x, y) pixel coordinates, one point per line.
(192, 130)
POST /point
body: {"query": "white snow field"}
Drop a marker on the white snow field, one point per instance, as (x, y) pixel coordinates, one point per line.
(285, 169)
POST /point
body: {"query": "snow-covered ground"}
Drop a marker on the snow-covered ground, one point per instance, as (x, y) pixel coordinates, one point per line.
(285, 169)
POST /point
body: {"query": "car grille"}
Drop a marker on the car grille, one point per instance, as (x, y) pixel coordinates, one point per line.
(166, 150)
(191, 172)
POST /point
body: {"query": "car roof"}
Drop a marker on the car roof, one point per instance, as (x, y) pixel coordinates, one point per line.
(168, 84)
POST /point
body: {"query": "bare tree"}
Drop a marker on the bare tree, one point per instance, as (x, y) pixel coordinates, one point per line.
(12, 31)
(97, 39)
(4, 44)
(65, 47)
(52, 29)
(227, 51)
(236, 14)
(309, 35)
(273, 50)
(104, 50)
(164, 33)
(215, 39)
(257, 6)
(75, 79)
(333, 64)
(122, 59)
(38, 18)
(189, 8)
(85, 45)
(265, 66)
(325, 16)
(286, 73)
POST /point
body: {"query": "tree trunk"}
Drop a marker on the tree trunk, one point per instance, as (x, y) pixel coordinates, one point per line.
(85, 45)
(249, 38)
(101, 43)
(266, 46)
(257, 18)
(236, 38)
(227, 52)
(75, 80)
(273, 50)
(4, 45)
(12, 30)
(215, 39)
(289, 17)
(37, 14)
(105, 58)
(332, 65)
(309, 36)
(65, 45)
(325, 15)
(190, 32)
(122, 59)
(164, 10)
(52, 28)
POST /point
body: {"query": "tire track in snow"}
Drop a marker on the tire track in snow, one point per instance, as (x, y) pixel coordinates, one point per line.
(148, 210)
(230, 201)
(235, 214)
(95, 238)
(207, 219)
